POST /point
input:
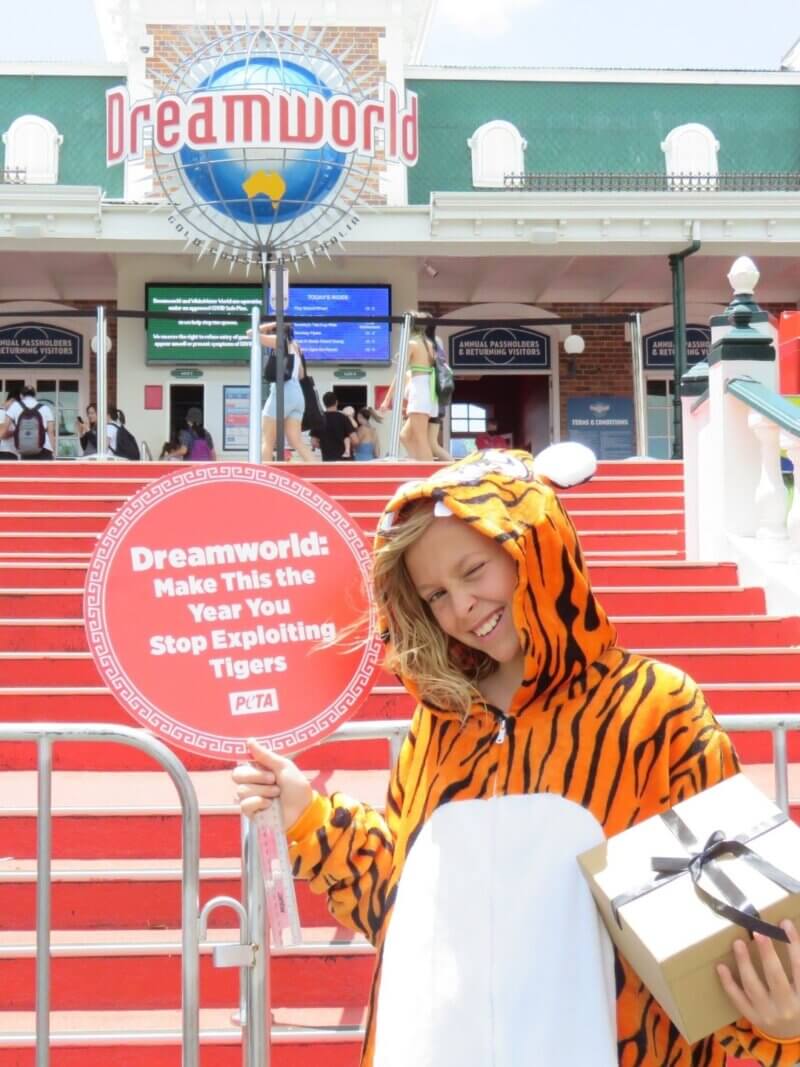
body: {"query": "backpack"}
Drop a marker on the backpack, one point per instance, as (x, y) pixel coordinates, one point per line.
(445, 379)
(30, 433)
(126, 444)
(271, 367)
(200, 449)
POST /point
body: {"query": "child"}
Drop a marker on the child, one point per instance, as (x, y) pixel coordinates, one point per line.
(535, 737)
(172, 451)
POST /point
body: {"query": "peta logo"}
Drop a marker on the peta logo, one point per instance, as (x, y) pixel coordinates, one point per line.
(254, 702)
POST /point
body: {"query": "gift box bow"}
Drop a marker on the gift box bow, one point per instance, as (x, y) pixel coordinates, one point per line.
(731, 903)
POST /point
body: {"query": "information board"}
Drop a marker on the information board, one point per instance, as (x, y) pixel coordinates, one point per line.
(214, 604)
(659, 347)
(212, 340)
(602, 423)
(236, 418)
(36, 344)
(501, 348)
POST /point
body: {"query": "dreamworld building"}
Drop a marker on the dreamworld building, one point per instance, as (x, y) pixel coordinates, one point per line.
(556, 195)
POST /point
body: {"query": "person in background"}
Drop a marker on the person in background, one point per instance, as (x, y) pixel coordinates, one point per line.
(337, 439)
(194, 441)
(172, 451)
(420, 391)
(88, 431)
(9, 413)
(294, 401)
(45, 428)
(490, 438)
(367, 445)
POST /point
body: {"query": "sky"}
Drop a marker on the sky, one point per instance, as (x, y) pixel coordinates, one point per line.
(701, 34)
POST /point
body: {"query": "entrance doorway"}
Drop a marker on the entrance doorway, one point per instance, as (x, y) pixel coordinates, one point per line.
(181, 398)
(518, 403)
(354, 396)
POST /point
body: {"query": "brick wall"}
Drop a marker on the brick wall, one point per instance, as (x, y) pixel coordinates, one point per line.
(360, 42)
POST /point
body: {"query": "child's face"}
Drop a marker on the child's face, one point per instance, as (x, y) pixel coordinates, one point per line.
(468, 582)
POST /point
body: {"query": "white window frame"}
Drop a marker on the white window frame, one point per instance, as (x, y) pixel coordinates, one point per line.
(483, 175)
(42, 169)
(671, 146)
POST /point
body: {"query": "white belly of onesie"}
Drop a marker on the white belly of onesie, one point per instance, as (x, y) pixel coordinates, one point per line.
(495, 954)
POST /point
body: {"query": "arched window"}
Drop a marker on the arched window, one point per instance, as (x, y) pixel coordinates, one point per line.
(498, 148)
(32, 145)
(691, 156)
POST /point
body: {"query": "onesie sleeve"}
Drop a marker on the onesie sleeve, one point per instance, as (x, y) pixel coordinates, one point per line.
(346, 849)
(702, 755)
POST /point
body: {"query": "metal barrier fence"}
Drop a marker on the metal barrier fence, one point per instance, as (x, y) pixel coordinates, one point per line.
(251, 956)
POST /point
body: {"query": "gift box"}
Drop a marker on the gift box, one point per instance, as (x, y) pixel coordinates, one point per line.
(678, 889)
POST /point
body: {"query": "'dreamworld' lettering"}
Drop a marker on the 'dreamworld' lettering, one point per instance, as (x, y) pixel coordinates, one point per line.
(261, 118)
(292, 547)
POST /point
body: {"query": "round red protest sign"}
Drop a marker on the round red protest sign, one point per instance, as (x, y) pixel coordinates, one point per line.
(214, 606)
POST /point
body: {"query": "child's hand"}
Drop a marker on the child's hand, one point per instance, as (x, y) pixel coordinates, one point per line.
(772, 1005)
(270, 776)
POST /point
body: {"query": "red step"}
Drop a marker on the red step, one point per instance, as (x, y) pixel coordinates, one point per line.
(681, 600)
(45, 546)
(60, 522)
(108, 982)
(50, 504)
(665, 573)
(125, 1039)
(41, 604)
(42, 576)
(732, 664)
(746, 632)
(102, 894)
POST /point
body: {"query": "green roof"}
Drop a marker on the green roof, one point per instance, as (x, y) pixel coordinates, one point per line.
(76, 106)
(612, 127)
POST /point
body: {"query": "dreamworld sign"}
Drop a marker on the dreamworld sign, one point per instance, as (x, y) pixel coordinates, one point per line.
(264, 143)
(263, 118)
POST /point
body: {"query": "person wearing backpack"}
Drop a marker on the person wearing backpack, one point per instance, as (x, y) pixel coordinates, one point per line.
(445, 386)
(121, 442)
(35, 429)
(196, 443)
(294, 396)
(9, 413)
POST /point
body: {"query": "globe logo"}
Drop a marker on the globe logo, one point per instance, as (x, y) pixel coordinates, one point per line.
(261, 199)
(286, 183)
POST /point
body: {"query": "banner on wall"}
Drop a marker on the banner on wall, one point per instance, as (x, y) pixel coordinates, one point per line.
(35, 344)
(659, 347)
(603, 423)
(501, 348)
(236, 416)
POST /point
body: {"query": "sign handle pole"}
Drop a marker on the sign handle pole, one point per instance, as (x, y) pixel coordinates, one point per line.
(282, 914)
(258, 1012)
(101, 379)
(254, 440)
(399, 382)
(280, 361)
(639, 395)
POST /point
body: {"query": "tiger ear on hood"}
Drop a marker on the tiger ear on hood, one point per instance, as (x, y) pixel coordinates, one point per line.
(564, 465)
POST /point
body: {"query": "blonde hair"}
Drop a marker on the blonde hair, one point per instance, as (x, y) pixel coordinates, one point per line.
(445, 672)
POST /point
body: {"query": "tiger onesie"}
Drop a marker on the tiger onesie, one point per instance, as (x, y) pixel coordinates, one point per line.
(490, 951)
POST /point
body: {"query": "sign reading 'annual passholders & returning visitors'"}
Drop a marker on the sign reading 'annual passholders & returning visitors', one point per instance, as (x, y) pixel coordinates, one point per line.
(213, 605)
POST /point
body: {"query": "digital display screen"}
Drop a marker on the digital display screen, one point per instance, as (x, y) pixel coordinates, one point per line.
(212, 340)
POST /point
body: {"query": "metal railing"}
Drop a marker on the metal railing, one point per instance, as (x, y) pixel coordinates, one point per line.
(602, 182)
(45, 736)
(252, 954)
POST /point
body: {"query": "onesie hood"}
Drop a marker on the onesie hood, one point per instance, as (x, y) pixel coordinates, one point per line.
(505, 496)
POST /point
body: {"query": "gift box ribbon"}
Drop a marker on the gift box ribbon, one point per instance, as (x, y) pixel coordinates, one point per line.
(731, 903)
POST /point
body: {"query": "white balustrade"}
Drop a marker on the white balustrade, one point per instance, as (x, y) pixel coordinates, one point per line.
(791, 445)
(770, 495)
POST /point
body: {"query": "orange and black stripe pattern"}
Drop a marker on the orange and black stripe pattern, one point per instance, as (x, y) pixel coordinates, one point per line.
(621, 735)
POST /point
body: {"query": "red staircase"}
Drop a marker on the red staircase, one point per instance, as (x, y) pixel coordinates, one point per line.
(116, 905)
